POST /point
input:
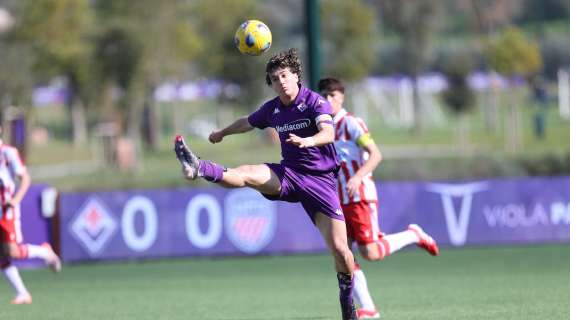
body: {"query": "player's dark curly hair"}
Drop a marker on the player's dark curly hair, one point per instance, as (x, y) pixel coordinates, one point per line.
(329, 85)
(284, 59)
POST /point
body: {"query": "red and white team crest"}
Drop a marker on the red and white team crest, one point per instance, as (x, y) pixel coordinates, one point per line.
(93, 226)
(250, 219)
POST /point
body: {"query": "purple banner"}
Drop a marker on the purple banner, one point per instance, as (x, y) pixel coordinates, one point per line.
(181, 222)
(502, 211)
(213, 221)
(35, 228)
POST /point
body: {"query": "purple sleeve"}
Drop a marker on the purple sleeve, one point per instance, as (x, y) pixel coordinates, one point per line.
(258, 118)
(322, 106)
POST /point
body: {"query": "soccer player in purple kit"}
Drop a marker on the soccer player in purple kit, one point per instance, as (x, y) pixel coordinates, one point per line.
(307, 172)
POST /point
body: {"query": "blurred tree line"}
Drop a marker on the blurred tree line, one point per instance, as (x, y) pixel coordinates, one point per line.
(113, 54)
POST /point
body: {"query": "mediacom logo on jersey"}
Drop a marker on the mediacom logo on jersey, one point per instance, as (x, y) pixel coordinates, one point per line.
(295, 125)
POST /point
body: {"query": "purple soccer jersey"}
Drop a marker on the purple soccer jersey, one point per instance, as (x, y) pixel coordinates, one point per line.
(298, 118)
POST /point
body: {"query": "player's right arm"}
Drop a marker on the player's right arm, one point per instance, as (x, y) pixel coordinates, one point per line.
(257, 119)
(241, 125)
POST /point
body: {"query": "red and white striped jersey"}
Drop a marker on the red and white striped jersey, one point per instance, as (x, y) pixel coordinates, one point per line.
(11, 166)
(349, 130)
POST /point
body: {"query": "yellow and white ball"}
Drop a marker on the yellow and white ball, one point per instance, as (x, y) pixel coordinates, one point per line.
(253, 37)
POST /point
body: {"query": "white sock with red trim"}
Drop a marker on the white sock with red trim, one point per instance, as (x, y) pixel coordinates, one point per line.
(35, 251)
(393, 242)
(13, 276)
(361, 293)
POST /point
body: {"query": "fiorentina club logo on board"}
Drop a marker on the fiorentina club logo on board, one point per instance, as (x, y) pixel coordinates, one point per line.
(457, 219)
(250, 220)
(93, 226)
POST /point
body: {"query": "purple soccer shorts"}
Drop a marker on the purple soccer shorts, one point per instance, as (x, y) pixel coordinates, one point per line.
(317, 192)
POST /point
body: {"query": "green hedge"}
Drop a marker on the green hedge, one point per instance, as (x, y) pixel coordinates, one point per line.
(480, 167)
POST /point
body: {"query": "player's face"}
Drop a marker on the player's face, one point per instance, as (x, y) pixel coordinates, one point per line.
(336, 99)
(284, 82)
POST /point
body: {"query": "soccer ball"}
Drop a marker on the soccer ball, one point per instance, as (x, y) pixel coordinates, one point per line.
(253, 37)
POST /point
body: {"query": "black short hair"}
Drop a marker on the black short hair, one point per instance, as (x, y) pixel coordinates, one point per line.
(327, 85)
(284, 59)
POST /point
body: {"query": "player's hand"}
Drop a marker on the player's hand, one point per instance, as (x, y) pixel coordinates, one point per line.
(216, 136)
(353, 185)
(300, 142)
(12, 203)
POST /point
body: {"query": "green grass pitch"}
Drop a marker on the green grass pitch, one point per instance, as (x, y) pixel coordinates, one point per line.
(474, 283)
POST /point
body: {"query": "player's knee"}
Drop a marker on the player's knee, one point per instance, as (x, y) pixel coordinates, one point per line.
(370, 254)
(246, 174)
(341, 251)
(14, 252)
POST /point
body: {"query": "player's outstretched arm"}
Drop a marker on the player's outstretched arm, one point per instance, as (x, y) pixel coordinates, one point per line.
(241, 125)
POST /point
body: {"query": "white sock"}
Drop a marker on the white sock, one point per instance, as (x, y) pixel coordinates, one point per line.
(401, 239)
(11, 273)
(361, 293)
(35, 251)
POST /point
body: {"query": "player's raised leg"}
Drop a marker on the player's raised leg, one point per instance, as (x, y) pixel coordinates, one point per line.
(14, 247)
(259, 177)
(22, 251)
(334, 234)
(375, 246)
(425, 241)
(388, 244)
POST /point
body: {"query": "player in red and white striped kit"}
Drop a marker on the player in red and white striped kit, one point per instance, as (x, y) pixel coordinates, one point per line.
(359, 156)
(14, 183)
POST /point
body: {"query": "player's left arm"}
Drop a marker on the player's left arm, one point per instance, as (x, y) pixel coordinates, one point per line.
(323, 137)
(365, 142)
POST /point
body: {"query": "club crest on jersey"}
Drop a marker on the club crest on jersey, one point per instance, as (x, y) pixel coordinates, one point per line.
(302, 106)
(250, 220)
(276, 111)
(93, 226)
